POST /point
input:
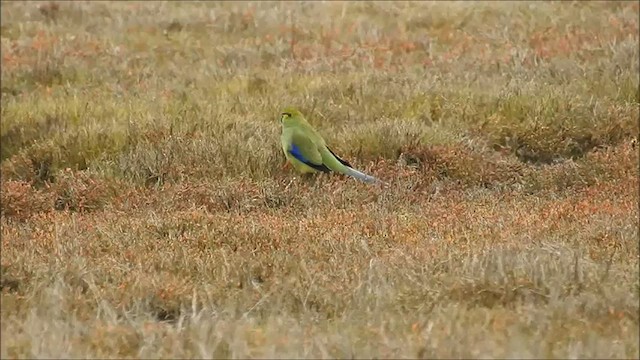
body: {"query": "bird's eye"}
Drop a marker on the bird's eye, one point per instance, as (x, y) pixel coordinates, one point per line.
(284, 116)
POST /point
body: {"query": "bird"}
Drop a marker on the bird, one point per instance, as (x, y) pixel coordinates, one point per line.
(307, 151)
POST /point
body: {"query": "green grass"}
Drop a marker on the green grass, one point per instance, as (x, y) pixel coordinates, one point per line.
(146, 211)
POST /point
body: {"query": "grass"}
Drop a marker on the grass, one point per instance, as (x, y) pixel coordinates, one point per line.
(146, 212)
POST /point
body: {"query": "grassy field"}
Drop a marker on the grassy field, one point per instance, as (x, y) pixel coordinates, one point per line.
(147, 210)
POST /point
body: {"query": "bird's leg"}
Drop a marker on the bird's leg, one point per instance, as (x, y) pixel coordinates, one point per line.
(307, 177)
(323, 178)
(310, 179)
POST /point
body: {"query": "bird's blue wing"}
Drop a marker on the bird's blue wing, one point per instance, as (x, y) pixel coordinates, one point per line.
(296, 152)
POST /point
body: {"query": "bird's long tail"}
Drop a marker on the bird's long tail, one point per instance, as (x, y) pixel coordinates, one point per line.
(361, 176)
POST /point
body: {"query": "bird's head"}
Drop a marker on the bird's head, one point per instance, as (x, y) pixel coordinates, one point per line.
(291, 116)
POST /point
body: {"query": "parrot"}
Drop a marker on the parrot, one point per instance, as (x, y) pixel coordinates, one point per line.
(307, 151)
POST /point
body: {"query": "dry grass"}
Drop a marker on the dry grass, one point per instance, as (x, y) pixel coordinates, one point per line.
(146, 211)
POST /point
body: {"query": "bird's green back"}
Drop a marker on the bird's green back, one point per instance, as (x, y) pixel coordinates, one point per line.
(294, 122)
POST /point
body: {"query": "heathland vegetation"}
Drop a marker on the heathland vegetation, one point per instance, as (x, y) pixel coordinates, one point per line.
(147, 212)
